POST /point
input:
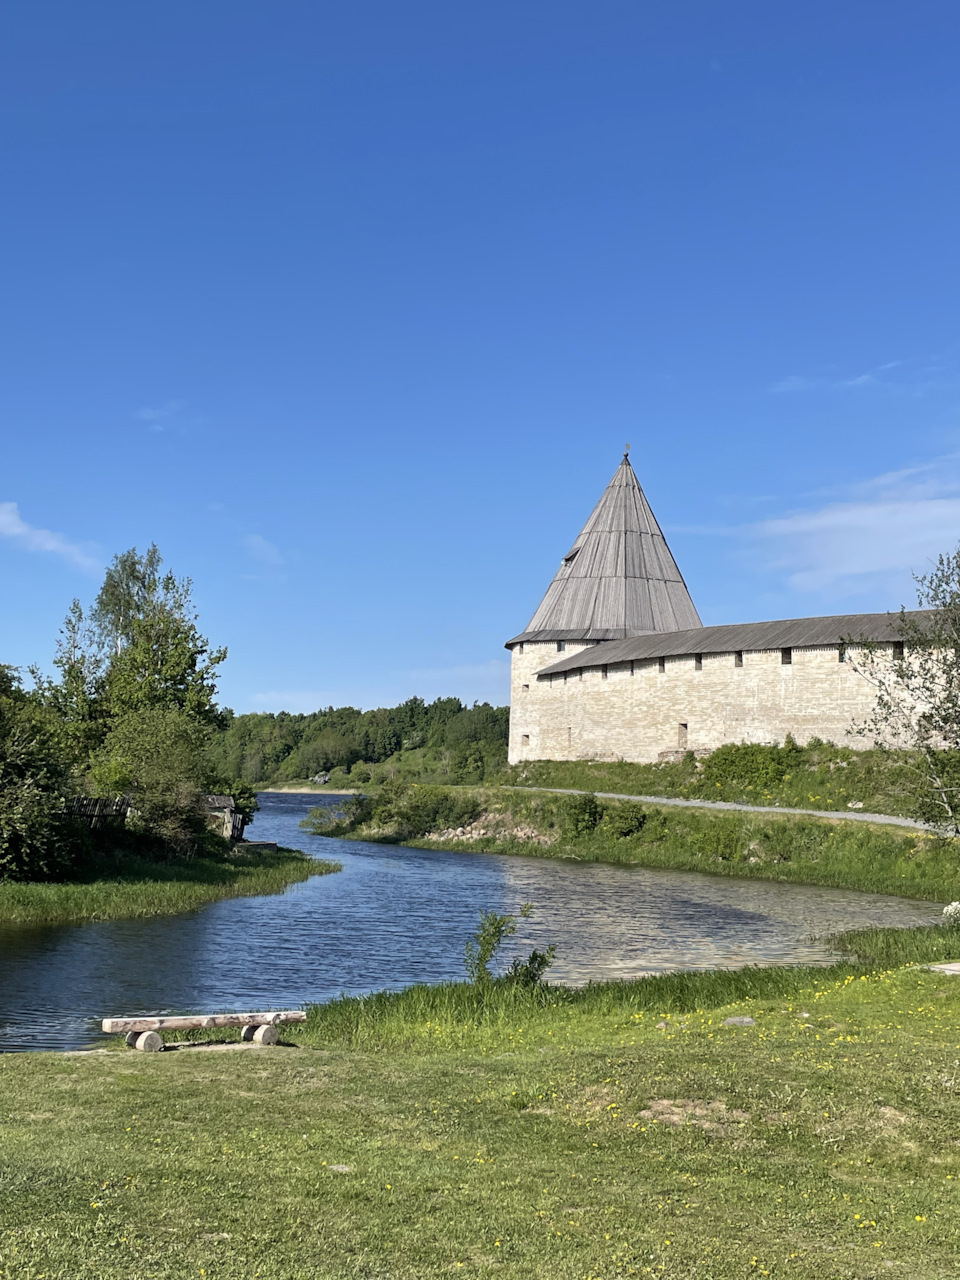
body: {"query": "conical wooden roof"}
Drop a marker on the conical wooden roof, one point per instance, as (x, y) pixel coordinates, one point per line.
(619, 578)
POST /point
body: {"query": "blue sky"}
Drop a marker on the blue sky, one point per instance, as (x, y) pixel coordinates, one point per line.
(352, 308)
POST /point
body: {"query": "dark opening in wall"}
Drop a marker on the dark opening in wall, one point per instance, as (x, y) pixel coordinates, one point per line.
(633, 667)
(682, 737)
(842, 653)
(898, 650)
(698, 662)
(561, 646)
(786, 657)
(738, 658)
(603, 672)
(520, 647)
(525, 739)
(661, 665)
(525, 688)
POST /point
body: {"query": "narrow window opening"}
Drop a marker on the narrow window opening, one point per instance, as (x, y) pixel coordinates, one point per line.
(525, 688)
(520, 647)
(525, 739)
(662, 665)
(603, 672)
(633, 668)
(682, 737)
(561, 646)
(842, 653)
(898, 650)
(698, 662)
(738, 658)
(786, 657)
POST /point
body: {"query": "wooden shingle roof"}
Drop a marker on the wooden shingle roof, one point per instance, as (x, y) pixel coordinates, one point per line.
(618, 579)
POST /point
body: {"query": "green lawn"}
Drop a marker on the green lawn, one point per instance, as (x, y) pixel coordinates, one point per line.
(434, 1134)
(136, 887)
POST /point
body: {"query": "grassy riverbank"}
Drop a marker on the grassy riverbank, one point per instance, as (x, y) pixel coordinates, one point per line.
(134, 887)
(852, 855)
(617, 1131)
(816, 776)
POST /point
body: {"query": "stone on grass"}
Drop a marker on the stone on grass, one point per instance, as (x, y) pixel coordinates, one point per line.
(740, 1021)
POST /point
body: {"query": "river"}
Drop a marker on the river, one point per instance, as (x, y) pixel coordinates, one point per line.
(397, 915)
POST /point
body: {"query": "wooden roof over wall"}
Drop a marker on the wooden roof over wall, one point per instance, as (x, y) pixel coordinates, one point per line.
(742, 637)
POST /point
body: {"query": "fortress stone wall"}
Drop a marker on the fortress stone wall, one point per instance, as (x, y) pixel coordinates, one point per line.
(639, 710)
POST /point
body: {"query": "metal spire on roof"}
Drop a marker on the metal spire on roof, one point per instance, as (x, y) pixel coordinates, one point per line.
(619, 578)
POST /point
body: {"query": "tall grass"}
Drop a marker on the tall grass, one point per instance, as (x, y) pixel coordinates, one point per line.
(897, 948)
(458, 1014)
(135, 888)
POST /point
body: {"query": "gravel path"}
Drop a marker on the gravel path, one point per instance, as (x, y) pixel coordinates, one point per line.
(844, 815)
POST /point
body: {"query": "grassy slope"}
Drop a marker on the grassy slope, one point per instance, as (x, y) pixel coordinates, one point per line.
(853, 855)
(416, 1136)
(135, 888)
(827, 778)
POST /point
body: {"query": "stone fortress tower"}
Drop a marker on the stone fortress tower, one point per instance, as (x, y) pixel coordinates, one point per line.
(615, 663)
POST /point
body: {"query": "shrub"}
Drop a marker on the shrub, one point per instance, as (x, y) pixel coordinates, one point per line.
(582, 814)
(482, 948)
(750, 764)
(341, 820)
(426, 809)
(623, 820)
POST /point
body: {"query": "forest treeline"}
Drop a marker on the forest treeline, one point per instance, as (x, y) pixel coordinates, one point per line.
(445, 738)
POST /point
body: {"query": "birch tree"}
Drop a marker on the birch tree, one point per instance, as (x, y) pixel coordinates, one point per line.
(918, 695)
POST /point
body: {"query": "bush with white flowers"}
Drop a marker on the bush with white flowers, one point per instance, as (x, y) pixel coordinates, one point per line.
(951, 913)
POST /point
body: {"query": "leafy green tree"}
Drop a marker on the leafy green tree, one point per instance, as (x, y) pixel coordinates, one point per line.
(157, 756)
(76, 700)
(159, 657)
(34, 779)
(130, 588)
(918, 695)
(468, 764)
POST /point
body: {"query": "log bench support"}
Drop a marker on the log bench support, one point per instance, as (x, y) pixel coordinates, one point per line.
(144, 1033)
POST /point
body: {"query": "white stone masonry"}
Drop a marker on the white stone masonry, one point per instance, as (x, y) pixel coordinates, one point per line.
(638, 711)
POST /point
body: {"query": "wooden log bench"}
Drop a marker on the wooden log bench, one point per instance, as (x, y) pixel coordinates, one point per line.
(144, 1033)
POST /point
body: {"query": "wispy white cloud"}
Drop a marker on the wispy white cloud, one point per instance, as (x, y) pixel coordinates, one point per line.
(262, 550)
(882, 529)
(159, 417)
(821, 382)
(12, 525)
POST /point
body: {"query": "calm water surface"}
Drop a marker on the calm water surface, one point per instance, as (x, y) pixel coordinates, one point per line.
(394, 916)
